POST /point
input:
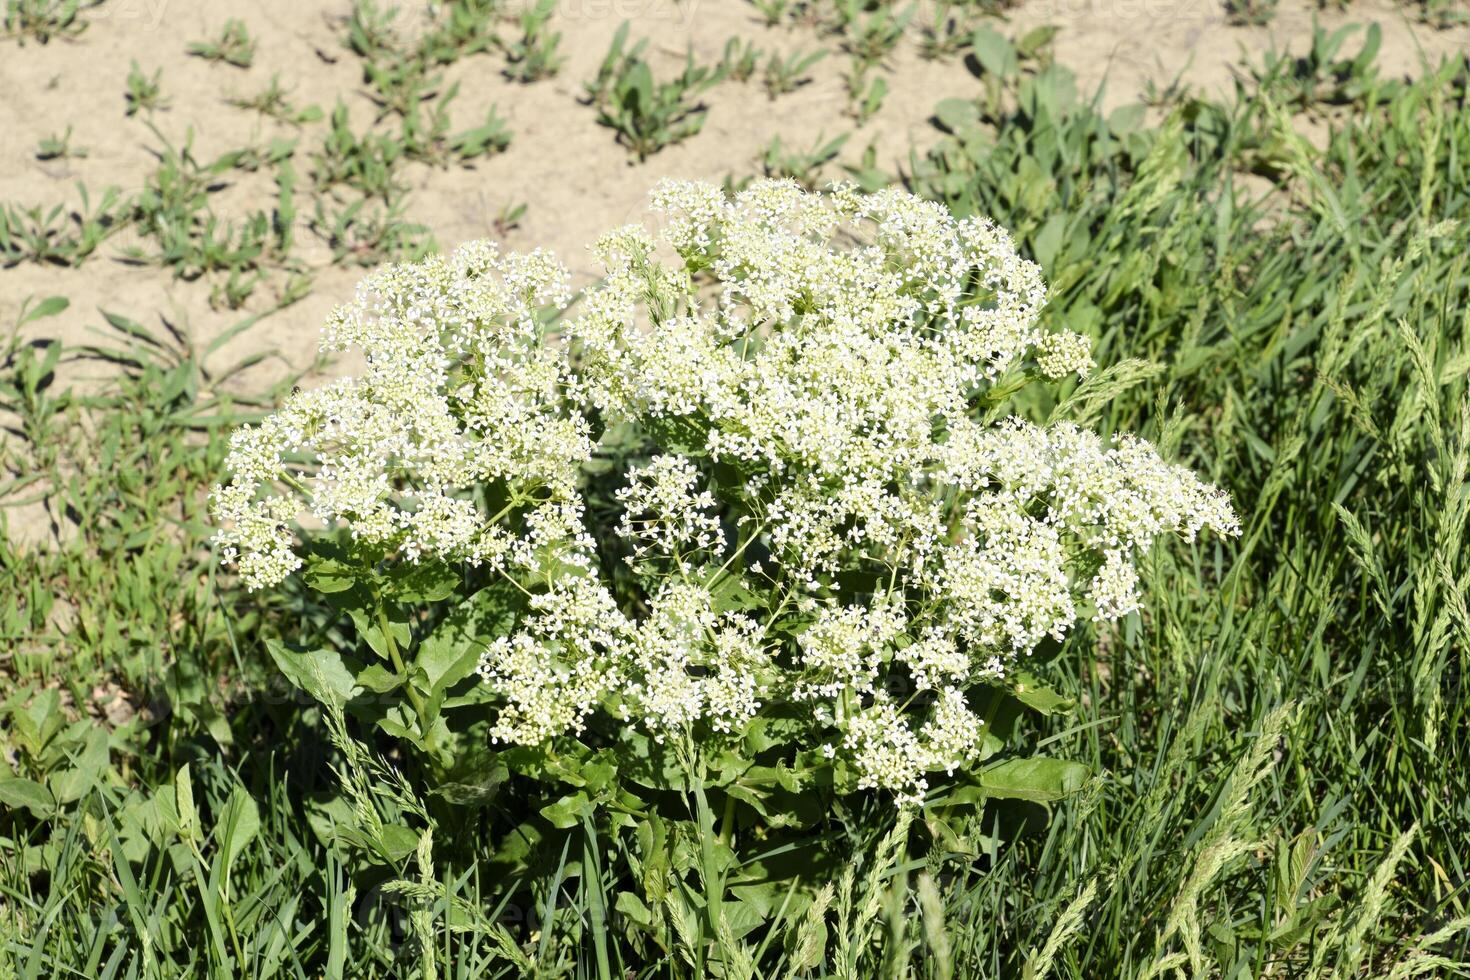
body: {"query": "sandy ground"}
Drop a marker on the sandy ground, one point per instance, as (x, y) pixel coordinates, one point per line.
(576, 179)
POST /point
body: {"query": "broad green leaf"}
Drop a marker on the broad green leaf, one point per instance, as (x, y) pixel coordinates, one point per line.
(396, 842)
(421, 582)
(1034, 40)
(321, 673)
(184, 804)
(995, 54)
(568, 811)
(328, 575)
(1039, 697)
(452, 652)
(1048, 241)
(730, 593)
(957, 114)
(1038, 779)
(19, 793)
(632, 906)
(50, 306)
(88, 769)
(378, 679)
(370, 628)
(241, 824)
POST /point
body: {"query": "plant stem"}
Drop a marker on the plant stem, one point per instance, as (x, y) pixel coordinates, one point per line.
(592, 881)
(727, 821)
(414, 697)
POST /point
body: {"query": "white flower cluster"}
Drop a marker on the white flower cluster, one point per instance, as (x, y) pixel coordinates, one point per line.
(809, 375)
(664, 513)
(458, 390)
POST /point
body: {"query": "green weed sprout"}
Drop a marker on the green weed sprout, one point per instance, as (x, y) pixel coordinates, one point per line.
(647, 114)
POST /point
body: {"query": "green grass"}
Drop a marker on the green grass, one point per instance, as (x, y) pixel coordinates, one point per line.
(1279, 744)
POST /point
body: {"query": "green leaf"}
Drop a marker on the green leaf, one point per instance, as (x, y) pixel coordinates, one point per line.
(327, 574)
(1036, 39)
(730, 593)
(475, 775)
(88, 769)
(1039, 697)
(630, 905)
(1128, 119)
(452, 652)
(420, 582)
(20, 793)
(378, 679)
(321, 673)
(957, 114)
(241, 824)
(371, 630)
(396, 842)
(568, 811)
(994, 53)
(184, 804)
(1038, 779)
(50, 306)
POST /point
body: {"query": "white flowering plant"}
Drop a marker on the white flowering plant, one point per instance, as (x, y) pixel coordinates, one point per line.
(750, 520)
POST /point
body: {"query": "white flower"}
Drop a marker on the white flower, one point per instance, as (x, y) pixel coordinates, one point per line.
(808, 383)
(1061, 354)
(664, 512)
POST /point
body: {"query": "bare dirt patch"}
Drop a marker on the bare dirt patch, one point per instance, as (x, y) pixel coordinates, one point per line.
(575, 179)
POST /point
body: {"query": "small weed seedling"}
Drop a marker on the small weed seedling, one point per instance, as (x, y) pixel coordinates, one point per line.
(43, 20)
(787, 74)
(463, 28)
(871, 35)
(865, 95)
(618, 56)
(58, 235)
(509, 219)
(774, 11)
(399, 69)
(802, 166)
(234, 46)
(178, 228)
(367, 232)
(426, 133)
(1322, 76)
(1254, 13)
(397, 73)
(740, 59)
(1443, 14)
(27, 393)
(55, 147)
(274, 101)
(1175, 92)
(948, 31)
(535, 55)
(144, 94)
(404, 82)
(366, 163)
(649, 115)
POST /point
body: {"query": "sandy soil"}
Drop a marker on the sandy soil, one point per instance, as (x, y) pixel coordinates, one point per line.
(575, 178)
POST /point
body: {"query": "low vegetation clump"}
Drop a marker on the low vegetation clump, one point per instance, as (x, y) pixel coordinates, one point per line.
(647, 114)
